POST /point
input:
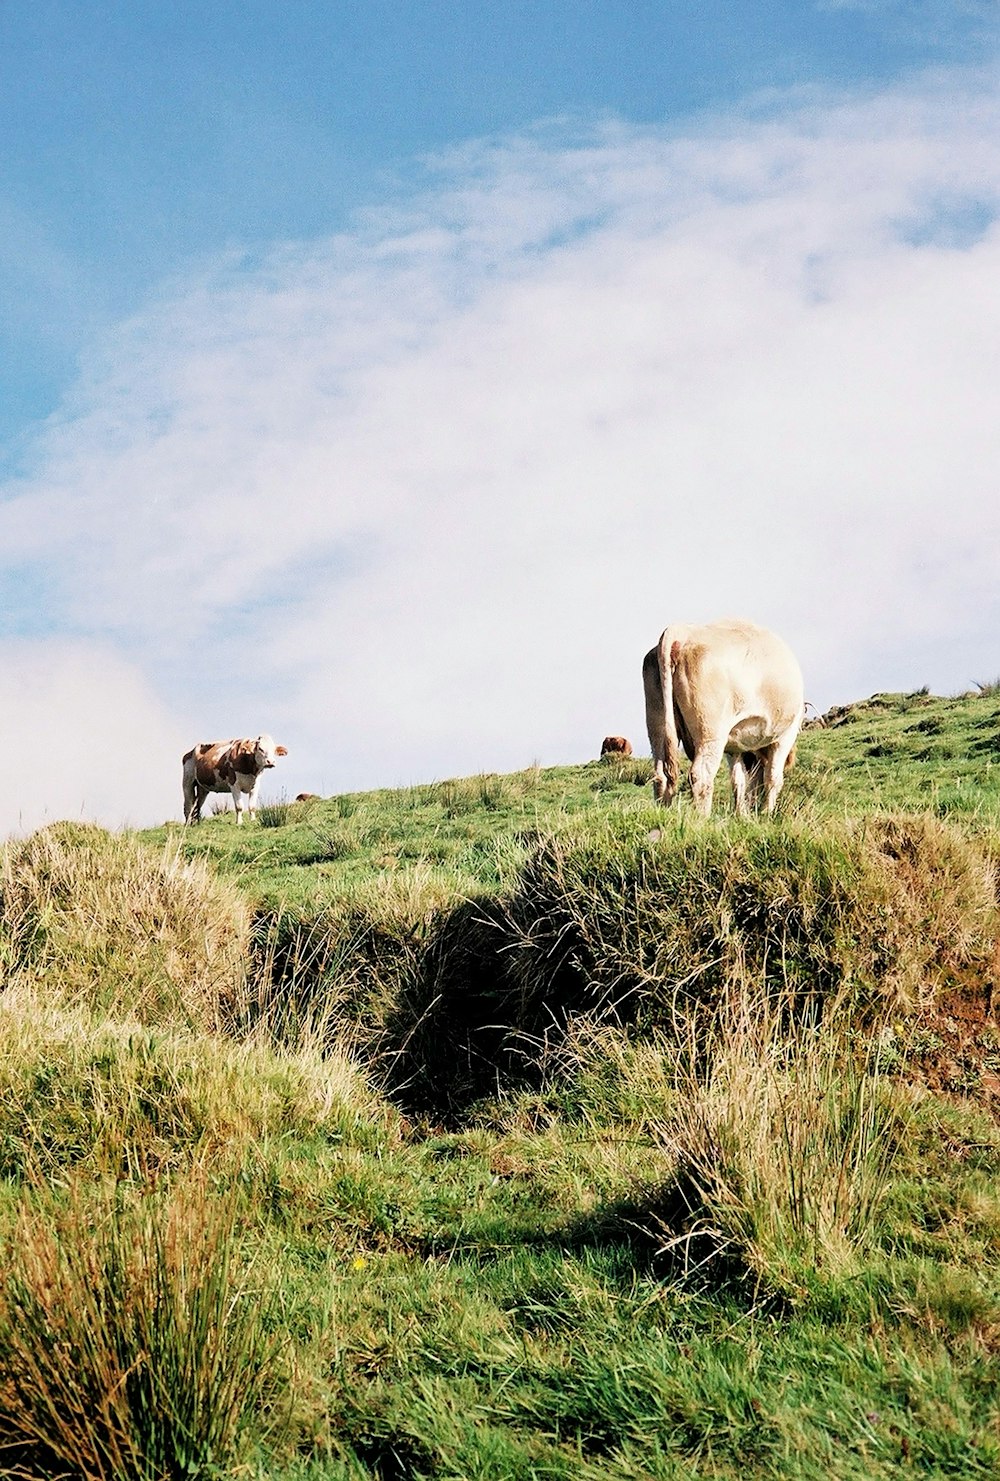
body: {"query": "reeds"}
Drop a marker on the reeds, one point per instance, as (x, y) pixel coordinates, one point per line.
(131, 1345)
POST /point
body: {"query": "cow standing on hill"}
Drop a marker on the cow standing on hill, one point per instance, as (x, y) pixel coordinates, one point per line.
(227, 766)
(727, 688)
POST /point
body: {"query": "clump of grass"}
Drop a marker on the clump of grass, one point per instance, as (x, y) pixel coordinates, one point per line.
(335, 843)
(461, 795)
(622, 771)
(354, 972)
(127, 927)
(111, 1098)
(130, 1344)
(349, 832)
(785, 1149)
(276, 814)
(872, 912)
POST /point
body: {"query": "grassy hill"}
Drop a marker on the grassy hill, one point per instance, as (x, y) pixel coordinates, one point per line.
(510, 1127)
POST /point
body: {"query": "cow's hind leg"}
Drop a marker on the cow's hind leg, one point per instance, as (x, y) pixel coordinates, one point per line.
(187, 784)
(664, 751)
(663, 789)
(194, 795)
(706, 763)
(776, 758)
(739, 777)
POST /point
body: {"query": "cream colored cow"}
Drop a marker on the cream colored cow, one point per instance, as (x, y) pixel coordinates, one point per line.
(726, 688)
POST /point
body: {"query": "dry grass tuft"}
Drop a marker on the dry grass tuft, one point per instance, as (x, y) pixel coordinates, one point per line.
(103, 918)
(129, 1344)
(115, 1099)
(785, 1149)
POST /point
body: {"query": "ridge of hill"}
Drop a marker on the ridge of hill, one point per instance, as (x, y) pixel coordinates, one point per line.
(908, 752)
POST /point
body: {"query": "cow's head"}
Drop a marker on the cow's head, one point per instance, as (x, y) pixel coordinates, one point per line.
(265, 752)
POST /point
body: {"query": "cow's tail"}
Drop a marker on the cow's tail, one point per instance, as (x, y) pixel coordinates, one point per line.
(660, 722)
(188, 763)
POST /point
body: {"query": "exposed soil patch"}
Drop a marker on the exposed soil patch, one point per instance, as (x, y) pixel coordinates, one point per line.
(953, 1046)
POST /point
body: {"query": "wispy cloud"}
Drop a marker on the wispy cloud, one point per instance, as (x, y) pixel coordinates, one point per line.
(420, 496)
(963, 21)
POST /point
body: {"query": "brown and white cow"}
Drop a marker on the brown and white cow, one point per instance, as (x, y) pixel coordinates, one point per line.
(726, 688)
(616, 745)
(227, 766)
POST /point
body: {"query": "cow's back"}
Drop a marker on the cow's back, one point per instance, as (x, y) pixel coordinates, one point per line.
(734, 676)
(209, 762)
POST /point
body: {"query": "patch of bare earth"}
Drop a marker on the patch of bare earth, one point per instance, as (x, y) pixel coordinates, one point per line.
(953, 1045)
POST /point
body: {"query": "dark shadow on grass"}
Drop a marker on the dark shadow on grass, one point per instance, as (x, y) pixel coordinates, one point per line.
(664, 1231)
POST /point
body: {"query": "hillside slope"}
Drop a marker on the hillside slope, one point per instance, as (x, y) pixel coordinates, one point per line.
(910, 752)
(510, 1127)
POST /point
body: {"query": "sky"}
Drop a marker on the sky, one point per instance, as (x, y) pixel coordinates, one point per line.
(384, 377)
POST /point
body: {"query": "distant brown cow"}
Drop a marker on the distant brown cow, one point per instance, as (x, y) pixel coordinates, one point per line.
(307, 797)
(227, 766)
(725, 688)
(616, 745)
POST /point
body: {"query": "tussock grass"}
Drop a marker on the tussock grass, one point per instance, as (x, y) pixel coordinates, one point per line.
(619, 771)
(130, 1343)
(868, 909)
(343, 975)
(657, 926)
(120, 1100)
(277, 814)
(786, 1148)
(106, 919)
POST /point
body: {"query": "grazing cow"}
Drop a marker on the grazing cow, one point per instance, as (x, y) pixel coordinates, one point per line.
(616, 745)
(307, 797)
(227, 766)
(726, 688)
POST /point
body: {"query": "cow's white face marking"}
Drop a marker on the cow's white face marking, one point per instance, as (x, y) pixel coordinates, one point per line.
(265, 752)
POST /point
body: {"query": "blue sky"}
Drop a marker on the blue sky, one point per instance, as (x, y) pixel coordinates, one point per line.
(356, 360)
(140, 136)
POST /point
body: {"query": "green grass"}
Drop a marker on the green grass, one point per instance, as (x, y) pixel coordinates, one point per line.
(470, 833)
(912, 751)
(510, 1127)
(893, 752)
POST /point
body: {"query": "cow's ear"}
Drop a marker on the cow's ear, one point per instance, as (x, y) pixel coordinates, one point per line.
(280, 751)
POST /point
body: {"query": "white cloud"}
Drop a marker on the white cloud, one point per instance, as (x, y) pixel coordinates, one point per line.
(418, 498)
(83, 737)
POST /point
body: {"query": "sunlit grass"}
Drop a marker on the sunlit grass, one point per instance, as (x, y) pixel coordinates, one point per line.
(509, 1127)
